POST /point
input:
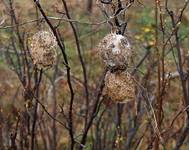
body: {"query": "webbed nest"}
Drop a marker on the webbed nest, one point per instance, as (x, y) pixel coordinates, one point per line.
(43, 49)
(115, 51)
(120, 86)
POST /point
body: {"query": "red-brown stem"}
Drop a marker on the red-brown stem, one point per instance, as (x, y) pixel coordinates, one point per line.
(62, 48)
(81, 60)
(159, 102)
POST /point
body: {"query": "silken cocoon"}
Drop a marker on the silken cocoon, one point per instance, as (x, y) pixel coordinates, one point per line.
(115, 51)
(120, 86)
(43, 49)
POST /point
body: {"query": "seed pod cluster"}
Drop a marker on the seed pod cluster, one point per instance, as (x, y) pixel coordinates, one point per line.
(43, 49)
(116, 52)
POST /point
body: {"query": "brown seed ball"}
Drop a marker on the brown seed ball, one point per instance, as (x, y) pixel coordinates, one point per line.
(43, 49)
(115, 51)
(120, 86)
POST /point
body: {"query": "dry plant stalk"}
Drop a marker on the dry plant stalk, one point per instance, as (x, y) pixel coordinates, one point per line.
(115, 51)
(120, 86)
(43, 49)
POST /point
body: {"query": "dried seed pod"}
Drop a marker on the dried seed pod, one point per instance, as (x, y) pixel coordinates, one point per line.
(115, 51)
(43, 49)
(120, 86)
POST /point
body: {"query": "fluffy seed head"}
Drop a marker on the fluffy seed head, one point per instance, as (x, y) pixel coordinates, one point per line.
(43, 49)
(120, 86)
(115, 51)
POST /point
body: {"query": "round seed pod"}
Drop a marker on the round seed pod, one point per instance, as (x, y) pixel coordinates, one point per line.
(115, 51)
(43, 49)
(120, 86)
